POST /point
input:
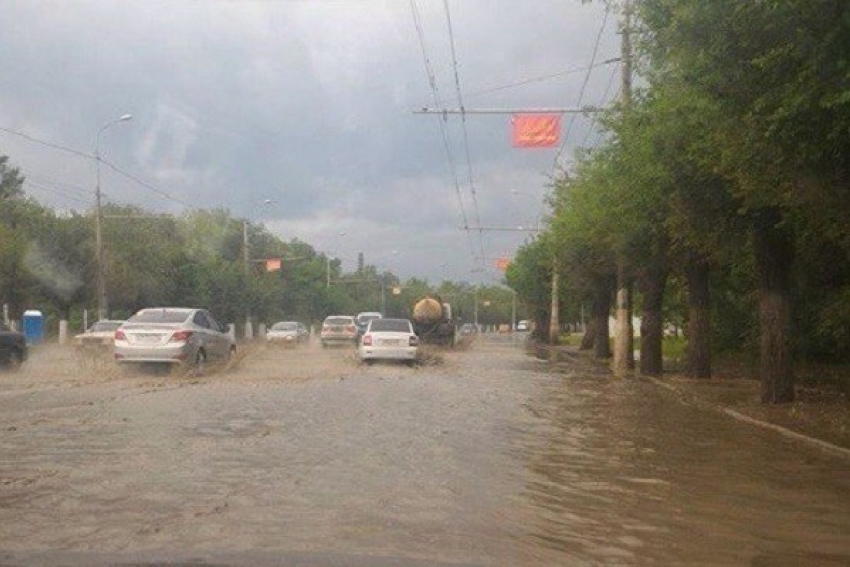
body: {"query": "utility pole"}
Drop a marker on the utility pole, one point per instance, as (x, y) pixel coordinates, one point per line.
(246, 253)
(100, 262)
(102, 298)
(246, 260)
(624, 356)
(513, 311)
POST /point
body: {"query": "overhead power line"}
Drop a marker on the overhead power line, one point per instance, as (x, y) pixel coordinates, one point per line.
(463, 124)
(537, 79)
(108, 164)
(46, 143)
(435, 95)
(616, 96)
(40, 187)
(143, 183)
(583, 86)
(38, 177)
(538, 110)
(605, 99)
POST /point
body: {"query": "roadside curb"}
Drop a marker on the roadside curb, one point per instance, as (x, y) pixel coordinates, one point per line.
(819, 443)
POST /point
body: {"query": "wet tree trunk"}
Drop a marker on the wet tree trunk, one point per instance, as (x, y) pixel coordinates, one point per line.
(652, 322)
(774, 256)
(541, 325)
(600, 314)
(589, 337)
(699, 319)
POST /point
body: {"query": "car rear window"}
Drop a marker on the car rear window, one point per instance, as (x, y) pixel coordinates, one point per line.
(391, 325)
(339, 321)
(159, 316)
(284, 326)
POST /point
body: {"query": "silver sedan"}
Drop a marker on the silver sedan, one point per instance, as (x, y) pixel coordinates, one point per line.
(289, 333)
(173, 335)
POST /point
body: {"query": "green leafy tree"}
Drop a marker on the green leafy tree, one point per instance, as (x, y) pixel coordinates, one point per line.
(777, 73)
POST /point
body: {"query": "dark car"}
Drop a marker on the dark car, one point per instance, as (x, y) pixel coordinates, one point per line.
(13, 348)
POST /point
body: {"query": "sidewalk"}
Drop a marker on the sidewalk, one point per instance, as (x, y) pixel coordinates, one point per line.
(821, 416)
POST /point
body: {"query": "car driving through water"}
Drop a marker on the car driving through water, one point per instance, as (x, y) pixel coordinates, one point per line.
(173, 335)
(338, 329)
(389, 339)
(287, 333)
(100, 335)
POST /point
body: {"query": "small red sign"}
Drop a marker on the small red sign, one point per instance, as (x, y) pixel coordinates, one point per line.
(503, 263)
(536, 130)
(273, 264)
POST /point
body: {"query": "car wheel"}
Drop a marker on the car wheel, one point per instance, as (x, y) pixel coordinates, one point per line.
(13, 360)
(368, 361)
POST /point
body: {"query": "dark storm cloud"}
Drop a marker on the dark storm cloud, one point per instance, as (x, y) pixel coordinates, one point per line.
(307, 103)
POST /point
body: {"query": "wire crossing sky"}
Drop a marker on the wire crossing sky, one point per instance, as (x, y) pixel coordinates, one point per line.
(307, 104)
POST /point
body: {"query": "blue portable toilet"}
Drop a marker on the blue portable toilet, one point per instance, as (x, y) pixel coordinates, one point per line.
(33, 326)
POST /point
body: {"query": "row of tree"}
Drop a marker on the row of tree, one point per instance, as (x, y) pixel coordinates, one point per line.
(721, 191)
(47, 262)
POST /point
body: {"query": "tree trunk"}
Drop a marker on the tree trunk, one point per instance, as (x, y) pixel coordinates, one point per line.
(652, 322)
(601, 312)
(699, 319)
(554, 311)
(624, 352)
(774, 256)
(589, 337)
(541, 324)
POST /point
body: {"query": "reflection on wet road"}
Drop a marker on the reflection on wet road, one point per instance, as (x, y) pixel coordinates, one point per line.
(490, 458)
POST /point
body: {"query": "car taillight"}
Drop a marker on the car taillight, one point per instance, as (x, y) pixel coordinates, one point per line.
(351, 329)
(180, 336)
(414, 341)
(120, 336)
(367, 340)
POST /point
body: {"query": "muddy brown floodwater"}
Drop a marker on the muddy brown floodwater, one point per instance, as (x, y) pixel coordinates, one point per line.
(488, 457)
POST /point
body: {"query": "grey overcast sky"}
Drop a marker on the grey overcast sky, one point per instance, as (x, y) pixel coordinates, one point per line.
(307, 103)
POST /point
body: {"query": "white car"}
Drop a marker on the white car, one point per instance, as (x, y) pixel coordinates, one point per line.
(389, 339)
(288, 333)
(100, 334)
(338, 329)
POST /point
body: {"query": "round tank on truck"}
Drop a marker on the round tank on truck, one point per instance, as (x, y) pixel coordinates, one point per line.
(427, 310)
(432, 321)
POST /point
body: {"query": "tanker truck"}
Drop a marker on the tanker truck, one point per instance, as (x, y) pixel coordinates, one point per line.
(432, 322)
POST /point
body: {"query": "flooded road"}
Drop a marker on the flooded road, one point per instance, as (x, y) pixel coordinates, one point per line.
(488, 458)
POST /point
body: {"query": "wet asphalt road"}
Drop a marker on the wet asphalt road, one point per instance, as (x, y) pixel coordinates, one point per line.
(304, 457)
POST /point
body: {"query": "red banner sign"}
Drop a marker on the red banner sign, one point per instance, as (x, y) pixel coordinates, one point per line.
(503, 263)
(273, 264)
(536, 130)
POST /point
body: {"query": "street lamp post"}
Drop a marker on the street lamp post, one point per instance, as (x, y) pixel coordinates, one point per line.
(513, 311)
(328, 266)
(102, 298)
(246, 265)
